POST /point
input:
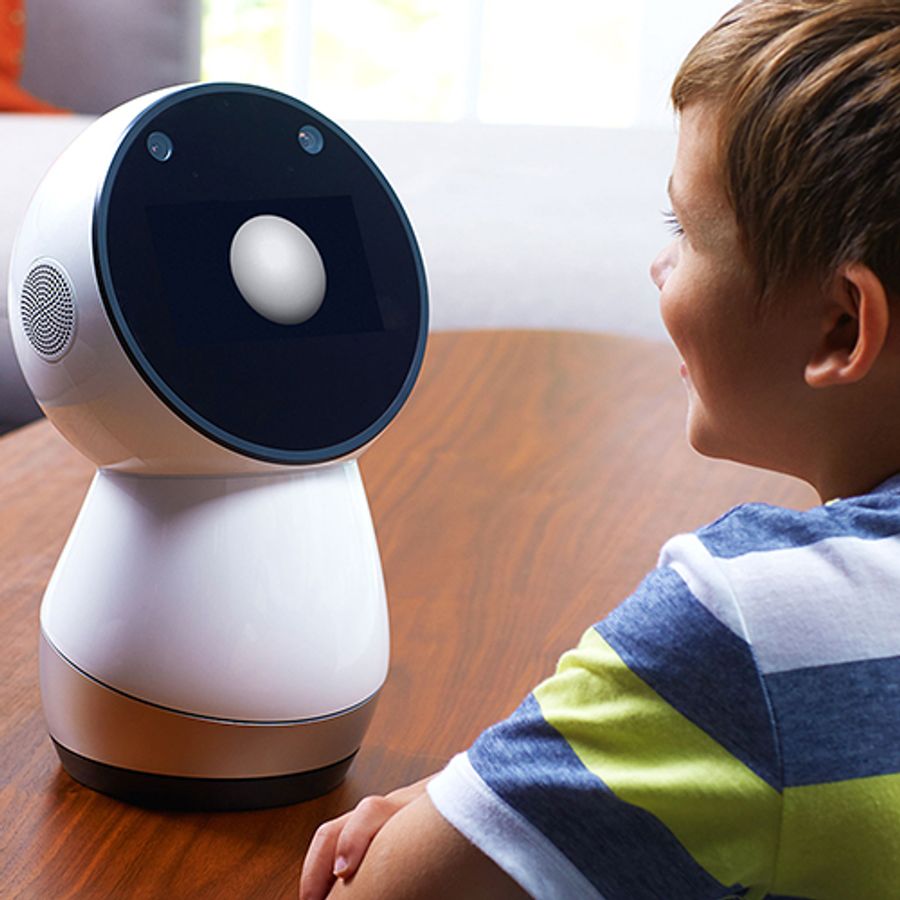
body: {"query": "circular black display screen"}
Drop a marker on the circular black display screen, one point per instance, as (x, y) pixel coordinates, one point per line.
(202, 315)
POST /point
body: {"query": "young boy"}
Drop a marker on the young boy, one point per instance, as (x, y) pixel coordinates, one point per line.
(733, 728)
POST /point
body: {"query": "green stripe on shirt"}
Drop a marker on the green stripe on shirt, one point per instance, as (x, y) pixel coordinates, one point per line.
(653, 757)
(833, 833)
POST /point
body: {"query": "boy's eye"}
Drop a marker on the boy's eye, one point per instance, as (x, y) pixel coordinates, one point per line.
(672, 223)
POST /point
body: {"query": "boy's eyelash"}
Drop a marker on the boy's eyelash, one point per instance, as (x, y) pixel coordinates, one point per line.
(672, 223)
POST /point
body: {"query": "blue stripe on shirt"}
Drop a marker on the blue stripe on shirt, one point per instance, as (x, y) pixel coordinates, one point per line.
(698, 666)
(838, 721)
(756, 527)
(624, 851)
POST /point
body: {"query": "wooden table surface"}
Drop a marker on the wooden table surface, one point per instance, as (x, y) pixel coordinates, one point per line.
(523, 491)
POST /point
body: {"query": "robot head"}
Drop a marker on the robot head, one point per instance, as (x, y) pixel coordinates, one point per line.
(217, 278)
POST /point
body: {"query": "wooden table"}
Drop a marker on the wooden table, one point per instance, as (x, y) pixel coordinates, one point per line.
(523, 492)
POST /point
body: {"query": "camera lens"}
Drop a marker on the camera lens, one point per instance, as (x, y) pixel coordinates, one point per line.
(159, 146)
(310, 139)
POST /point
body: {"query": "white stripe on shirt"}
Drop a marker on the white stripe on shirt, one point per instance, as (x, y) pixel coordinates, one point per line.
(503, 835)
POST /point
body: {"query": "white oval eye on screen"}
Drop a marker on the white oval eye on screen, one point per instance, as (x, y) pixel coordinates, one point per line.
(277, 269)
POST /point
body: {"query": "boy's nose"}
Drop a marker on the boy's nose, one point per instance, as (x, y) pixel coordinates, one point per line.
(662, 266)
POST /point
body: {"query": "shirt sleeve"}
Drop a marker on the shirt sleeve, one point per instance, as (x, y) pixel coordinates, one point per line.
(645, 767)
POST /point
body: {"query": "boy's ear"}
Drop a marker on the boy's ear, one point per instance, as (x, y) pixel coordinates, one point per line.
(854, 328)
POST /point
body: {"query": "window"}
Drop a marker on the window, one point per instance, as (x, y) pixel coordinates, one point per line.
(599, 63)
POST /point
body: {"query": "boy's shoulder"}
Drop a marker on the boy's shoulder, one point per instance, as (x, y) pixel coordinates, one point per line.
(760, 527)
(804, 588)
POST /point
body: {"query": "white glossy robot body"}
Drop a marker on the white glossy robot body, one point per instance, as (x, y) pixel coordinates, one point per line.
(215, 633)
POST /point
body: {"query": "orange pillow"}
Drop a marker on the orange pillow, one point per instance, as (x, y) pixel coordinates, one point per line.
(14, 98)
(12, 38)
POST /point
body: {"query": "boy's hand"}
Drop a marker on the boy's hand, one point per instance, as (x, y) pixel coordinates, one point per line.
(338, 846)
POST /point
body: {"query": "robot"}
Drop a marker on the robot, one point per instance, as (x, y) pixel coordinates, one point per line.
(218, 299)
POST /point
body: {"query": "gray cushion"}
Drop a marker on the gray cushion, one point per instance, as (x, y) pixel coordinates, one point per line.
(91, 55)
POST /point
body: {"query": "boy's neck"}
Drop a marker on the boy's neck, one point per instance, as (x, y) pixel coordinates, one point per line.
(858, 464)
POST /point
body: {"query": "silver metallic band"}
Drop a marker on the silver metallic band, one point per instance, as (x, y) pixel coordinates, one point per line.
(113, 728)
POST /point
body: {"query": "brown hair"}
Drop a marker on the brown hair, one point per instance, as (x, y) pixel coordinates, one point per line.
(808, 99)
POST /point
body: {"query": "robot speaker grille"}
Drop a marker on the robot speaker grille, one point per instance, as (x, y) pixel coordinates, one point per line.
(47, 309)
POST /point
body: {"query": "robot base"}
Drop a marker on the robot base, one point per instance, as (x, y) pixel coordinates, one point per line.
(161, 758)
(209, 794)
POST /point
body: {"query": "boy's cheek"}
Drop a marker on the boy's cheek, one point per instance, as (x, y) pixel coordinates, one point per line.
(672, 312)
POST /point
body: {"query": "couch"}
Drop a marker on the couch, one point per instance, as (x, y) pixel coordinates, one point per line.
(520, 226)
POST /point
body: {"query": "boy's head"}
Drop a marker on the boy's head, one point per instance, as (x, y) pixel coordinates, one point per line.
(787, 187)
(808, 100)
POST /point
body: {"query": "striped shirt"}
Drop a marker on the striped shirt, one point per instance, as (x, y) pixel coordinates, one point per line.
(732, 729)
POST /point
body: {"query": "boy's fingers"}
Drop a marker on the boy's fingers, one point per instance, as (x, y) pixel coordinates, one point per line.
(363, 824)
(317, 875)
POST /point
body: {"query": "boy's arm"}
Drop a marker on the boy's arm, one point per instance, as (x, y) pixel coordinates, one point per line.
(418, 854)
